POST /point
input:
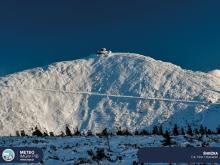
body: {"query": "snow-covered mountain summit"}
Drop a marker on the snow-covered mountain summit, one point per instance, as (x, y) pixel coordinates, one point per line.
(88, 94)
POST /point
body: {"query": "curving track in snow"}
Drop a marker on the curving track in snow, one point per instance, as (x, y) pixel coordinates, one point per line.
(118, 96)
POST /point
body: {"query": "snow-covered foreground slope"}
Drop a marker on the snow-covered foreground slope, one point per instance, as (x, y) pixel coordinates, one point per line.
(23, 105)
(94, 150)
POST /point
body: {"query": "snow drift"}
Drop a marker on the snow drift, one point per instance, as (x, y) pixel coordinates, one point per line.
(23, 105)
(215, 73)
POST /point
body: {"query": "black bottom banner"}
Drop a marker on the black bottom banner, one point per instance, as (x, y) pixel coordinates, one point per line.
(179, 155)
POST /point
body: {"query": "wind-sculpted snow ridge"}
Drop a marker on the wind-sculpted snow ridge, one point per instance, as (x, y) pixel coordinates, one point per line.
(45, 97)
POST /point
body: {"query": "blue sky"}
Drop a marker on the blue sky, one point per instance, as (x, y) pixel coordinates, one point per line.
(39, 32)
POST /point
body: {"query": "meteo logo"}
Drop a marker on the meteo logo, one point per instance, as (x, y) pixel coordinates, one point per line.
(8, 155)
(21, 155)
(27, 152)
(210, 153)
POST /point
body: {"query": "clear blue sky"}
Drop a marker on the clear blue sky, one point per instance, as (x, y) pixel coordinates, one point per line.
(39, 32)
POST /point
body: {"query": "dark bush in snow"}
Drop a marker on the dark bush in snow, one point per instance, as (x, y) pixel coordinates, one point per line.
(68, 132)
(37, 132)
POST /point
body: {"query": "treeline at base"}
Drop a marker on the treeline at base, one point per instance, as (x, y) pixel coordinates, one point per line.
(175, 131)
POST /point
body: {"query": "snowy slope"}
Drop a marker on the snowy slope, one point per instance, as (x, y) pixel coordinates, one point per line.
(123, 149)
(23, 105)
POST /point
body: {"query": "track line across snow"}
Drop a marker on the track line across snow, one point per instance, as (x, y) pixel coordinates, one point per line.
(119, 96)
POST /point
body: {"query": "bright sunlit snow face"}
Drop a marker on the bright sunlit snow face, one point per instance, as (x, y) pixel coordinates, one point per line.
(23, 105)
(215, 73)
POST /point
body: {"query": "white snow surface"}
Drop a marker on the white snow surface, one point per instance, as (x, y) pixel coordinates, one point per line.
(122, 150)
(49, 97)
(215, 73)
